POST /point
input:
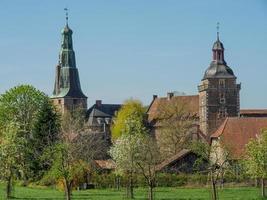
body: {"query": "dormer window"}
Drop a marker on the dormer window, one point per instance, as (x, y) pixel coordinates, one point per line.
(100, 120)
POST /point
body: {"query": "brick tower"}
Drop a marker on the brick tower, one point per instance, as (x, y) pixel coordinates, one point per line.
(67, 93)
(218, 92)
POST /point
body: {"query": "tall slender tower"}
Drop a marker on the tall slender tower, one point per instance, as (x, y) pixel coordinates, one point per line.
(67, 93)
(218, 92)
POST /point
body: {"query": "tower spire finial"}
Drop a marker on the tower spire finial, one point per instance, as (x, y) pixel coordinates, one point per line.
(67, 15)
(218, 30)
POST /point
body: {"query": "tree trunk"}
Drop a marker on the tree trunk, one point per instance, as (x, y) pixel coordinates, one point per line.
(214, 192)
(262, 187)
(67, 189)
(131, 187)
(256, 182)
(150, 193)
(9, 187)
(117, 182)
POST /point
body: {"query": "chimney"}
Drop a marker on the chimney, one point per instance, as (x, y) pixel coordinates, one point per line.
(98, 102)
(155, 96)
(170, 95)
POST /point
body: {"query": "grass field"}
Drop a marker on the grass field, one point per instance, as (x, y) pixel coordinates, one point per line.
(109, 194)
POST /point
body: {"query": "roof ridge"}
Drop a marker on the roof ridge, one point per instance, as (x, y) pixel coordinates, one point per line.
(176, 156)
(224, 124)
(221, 128)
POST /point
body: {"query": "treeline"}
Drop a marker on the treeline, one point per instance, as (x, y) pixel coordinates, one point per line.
(38, 145)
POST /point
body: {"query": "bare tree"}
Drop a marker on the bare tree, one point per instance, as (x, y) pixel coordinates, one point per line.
(76, 150)
(176, 127)
(217, 159)
(148, 158)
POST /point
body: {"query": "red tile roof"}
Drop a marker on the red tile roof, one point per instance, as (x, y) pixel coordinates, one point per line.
(172, 159)
(253, 111)
(191, 102)
(236, 132)
(105, 164)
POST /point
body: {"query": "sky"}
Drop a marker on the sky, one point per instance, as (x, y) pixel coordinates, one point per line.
(135, 48)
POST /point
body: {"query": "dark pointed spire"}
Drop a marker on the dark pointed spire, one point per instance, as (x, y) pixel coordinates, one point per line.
(67, 82)
(67, 54)
(218, 48)
(218, 31)
(67, 15)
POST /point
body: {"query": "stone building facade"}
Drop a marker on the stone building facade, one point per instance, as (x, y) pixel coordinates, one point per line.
(217, 99)
(215, 109)
(218, 92)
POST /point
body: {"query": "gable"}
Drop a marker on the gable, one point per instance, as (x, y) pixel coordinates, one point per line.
(236, 132)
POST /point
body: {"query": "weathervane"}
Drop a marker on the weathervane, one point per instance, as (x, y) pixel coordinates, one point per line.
(218, 30)
(67, 15)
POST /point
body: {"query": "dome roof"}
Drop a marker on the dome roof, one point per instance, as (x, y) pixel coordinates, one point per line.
(218, 45)
(218, 70)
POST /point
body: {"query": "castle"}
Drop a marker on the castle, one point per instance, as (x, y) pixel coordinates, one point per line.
(217, 104)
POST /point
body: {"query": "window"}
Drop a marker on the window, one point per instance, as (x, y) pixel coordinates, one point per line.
(75, 101)
(59, 101)
(222, 113)
(221, 83)
(222, 98)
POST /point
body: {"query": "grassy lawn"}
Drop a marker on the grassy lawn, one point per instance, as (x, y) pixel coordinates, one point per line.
(109, 194)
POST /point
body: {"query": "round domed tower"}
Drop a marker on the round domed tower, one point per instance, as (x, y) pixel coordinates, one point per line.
(218, 92)
(218, 67)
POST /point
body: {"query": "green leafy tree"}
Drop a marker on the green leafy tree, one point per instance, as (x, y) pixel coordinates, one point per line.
(45, 134)
(128, 129)
(23, 105)
(131, 110)
(12, 145)
(256, 159)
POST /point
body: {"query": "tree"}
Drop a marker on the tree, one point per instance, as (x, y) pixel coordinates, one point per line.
(131, 110)
(45, 134)
(136, 154)
(214, 159)
(75, 151)
(11, 154)
(256, 159)
(129, 127)
(124, 153)
(19, 109)
(176, 127)
(21, 105)
(148, 157)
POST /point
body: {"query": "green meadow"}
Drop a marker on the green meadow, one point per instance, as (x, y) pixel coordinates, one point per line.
(166, 193)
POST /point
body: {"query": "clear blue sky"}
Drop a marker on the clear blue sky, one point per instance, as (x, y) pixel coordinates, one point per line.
(135, 48)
